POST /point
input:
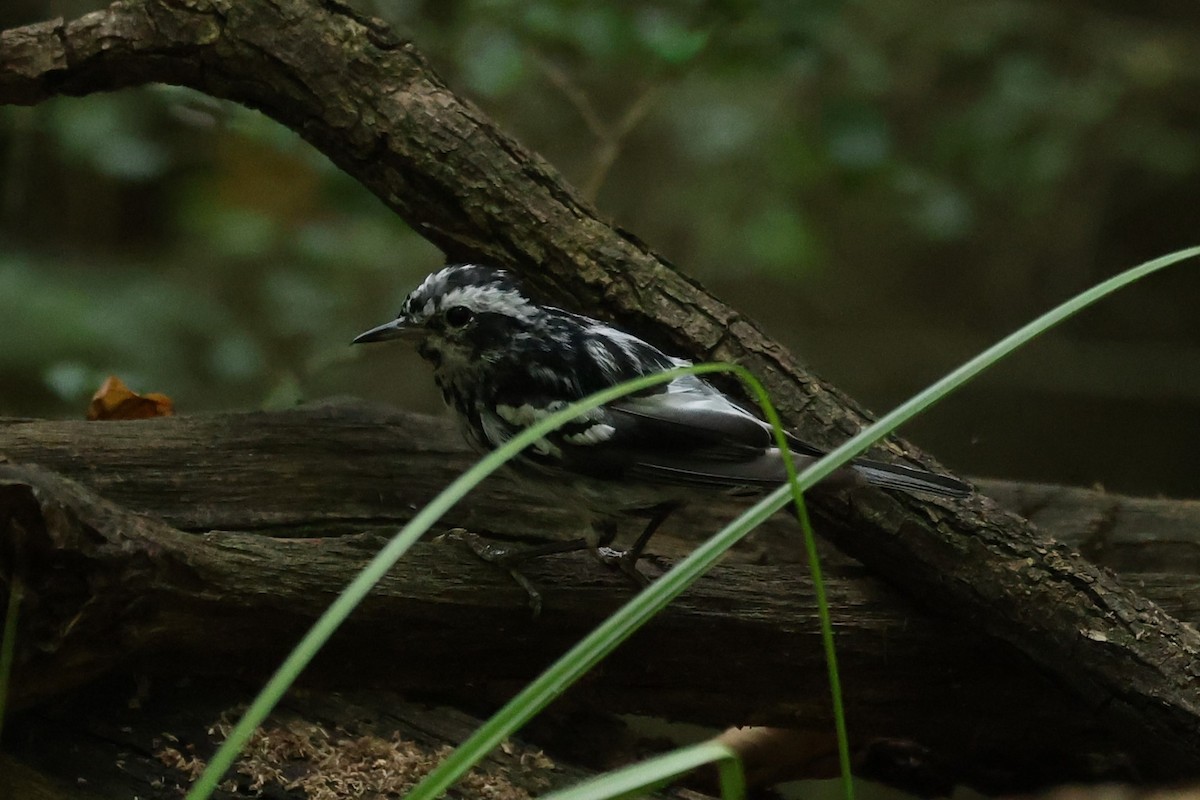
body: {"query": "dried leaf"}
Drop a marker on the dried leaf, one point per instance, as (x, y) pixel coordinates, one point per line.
(115, 400)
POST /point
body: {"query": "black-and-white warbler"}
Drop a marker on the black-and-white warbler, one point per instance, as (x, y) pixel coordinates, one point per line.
(504, 362)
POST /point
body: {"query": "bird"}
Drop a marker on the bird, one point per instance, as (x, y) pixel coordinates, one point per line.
(504, 361)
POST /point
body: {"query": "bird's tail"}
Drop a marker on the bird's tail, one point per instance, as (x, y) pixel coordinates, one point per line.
(908, 479)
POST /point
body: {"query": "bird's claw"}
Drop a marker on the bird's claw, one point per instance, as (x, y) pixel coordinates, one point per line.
(499, 555)
(626, 562)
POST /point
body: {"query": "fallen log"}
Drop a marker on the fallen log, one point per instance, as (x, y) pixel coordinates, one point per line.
(350, 465)
(109, 589)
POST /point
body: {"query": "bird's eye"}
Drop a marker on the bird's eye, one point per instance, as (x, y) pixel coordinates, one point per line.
(458, 316)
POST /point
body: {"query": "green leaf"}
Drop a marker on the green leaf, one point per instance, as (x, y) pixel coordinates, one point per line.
(668, 37)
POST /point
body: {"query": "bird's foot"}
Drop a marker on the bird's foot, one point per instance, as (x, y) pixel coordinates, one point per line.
(626, 562)
(506, 557)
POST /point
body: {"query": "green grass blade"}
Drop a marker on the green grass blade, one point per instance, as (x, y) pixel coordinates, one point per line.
(353, 594)
(644, 605)
(8, 644)
(845, 769)
(935, 392)
(617, 628)
(652, 774)
(641, 608)
(818, 581)
(588, 652)
(731, 777)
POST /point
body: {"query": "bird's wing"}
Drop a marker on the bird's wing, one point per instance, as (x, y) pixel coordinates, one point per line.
(692, 434)
(686, 433)
(683, 431)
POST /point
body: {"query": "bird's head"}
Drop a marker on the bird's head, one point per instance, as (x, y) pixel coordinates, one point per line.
(461, 316)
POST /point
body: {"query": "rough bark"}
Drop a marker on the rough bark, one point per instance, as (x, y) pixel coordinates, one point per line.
(109, 589)
(350, 466)
(369, 101)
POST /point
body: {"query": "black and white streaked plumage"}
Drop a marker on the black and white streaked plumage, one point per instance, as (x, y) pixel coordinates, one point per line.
(503, 362)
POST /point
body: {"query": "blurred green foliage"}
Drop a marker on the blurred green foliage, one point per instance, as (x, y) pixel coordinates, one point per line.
(886, 185)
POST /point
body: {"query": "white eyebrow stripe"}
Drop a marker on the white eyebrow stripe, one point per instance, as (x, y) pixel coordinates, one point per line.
(489, 298)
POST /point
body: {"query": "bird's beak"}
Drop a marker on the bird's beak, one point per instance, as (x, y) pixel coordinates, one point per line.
(399, 328)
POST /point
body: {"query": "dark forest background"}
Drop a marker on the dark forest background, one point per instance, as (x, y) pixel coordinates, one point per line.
(886, 186)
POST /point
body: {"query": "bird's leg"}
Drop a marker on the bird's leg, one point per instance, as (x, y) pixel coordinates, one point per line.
(658, 515)
(626, 560)
(509, 557)
(606, 531)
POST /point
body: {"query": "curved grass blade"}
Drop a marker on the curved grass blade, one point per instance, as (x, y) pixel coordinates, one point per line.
(642, 607)
(1023, 335)
(618, 627)
(652, 774)
(354, 593)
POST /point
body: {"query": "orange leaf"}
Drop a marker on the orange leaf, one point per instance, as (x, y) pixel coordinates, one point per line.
(115, 400)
